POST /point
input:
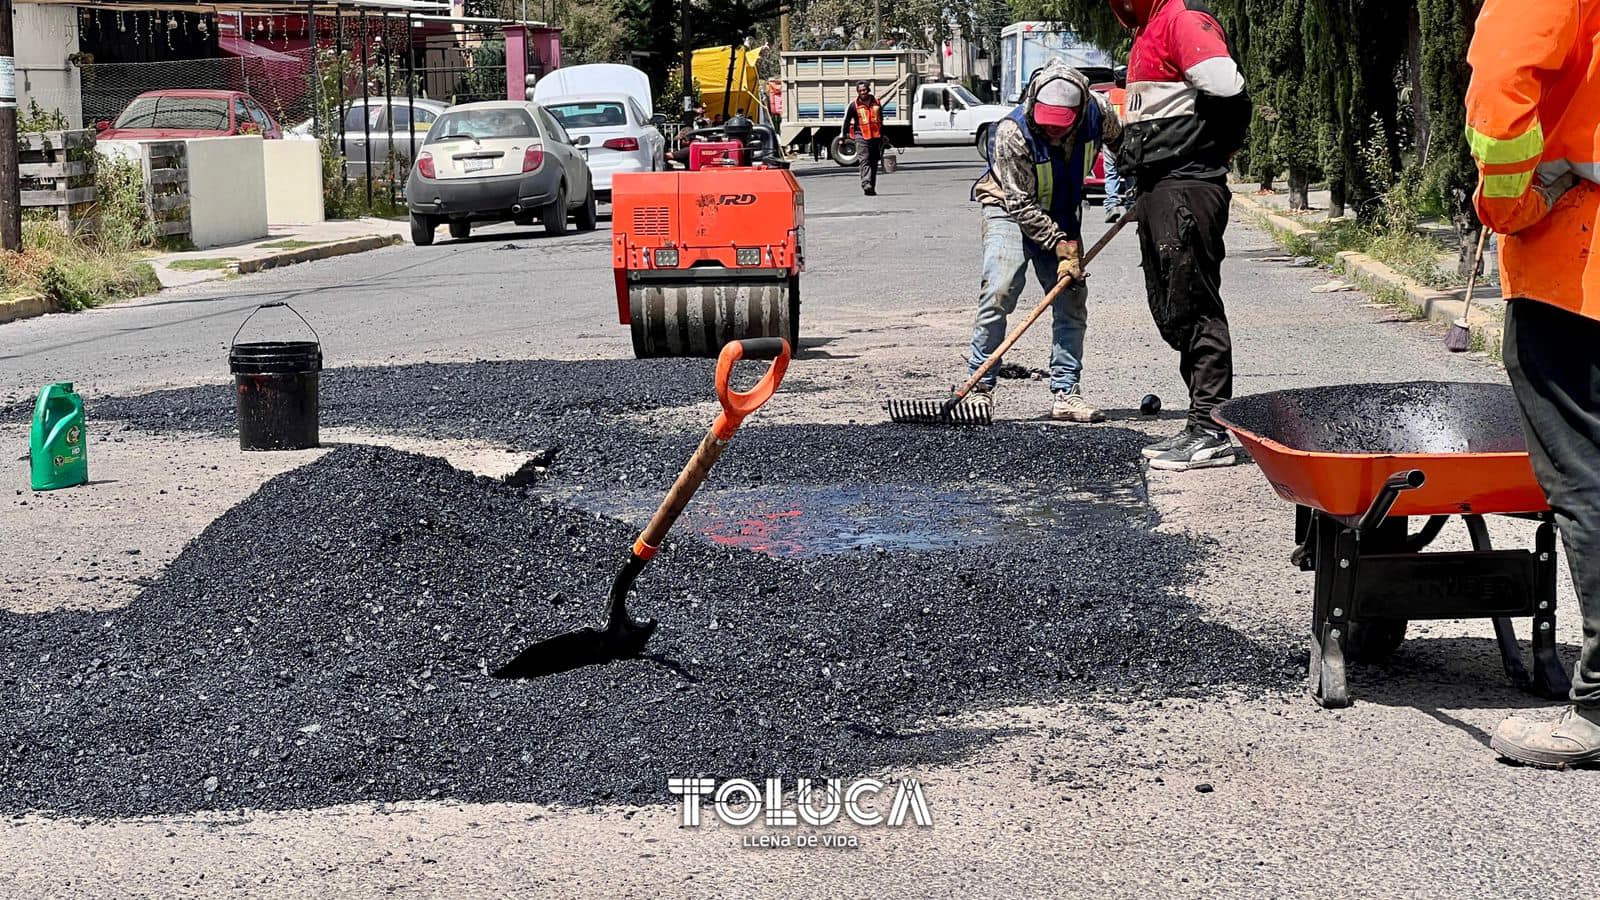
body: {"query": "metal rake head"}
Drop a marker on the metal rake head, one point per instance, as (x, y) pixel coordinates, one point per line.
(940, 412)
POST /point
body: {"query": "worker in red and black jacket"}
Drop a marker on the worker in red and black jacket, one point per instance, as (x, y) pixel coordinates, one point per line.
(1186, 115)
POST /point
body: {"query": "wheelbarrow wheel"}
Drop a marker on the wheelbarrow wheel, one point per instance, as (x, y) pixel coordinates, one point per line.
(1375, 640)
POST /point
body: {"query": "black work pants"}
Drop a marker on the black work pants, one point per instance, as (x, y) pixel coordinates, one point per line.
(1553, 358)
(871, 157)
(1181, 223)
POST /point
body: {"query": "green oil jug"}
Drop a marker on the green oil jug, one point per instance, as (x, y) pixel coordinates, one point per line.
(58, 447)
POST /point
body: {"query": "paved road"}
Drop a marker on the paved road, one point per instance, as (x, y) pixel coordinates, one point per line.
(1397, 795)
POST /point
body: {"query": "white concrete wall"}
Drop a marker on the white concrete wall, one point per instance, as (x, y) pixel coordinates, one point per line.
(294, 182)
(227, 190)
(44, 36)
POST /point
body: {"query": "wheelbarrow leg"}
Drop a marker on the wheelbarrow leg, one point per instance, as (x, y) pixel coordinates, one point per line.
(1550, 678)
(1504, 634)
(1335, 589)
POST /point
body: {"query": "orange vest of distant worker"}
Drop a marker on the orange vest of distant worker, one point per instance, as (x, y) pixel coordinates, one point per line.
(1118, 97)
(869, 120)
(1533, 112)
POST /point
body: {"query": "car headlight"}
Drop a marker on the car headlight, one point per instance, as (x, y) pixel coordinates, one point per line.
(667, 258)
(749, 256)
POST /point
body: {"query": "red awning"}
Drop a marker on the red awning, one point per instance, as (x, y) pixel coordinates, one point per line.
(237, 46)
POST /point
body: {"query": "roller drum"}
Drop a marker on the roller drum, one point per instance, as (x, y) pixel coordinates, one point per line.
(696, 320)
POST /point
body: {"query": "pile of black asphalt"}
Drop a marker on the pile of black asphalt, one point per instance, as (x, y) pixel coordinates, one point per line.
(329, 639)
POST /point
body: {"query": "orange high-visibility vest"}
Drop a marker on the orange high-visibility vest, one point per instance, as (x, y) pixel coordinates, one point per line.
(1118, 97)
(1533, 112)
(869, 120)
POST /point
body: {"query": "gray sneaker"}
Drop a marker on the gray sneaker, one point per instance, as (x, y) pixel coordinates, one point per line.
(1573, 739)
(1162, 446)
(1070, 406)
(1201, 449)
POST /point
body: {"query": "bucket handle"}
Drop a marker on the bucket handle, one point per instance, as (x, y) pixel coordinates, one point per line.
(275, 303)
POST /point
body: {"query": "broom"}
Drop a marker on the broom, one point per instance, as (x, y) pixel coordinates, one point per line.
(952, 411)
(1459, 338)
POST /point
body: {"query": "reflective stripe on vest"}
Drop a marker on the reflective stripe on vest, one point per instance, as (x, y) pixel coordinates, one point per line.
(1528, 146)
(1507, 187)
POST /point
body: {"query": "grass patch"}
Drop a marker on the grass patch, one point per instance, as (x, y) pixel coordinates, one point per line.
(292, 244)
(71, 271)
(204, 263)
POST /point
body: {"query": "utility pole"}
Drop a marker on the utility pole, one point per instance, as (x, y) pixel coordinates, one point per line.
(783, 32)
(10, 188)
(877, 23)
(688, 59)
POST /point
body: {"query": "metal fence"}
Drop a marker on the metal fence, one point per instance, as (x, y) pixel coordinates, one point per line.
(281, 83)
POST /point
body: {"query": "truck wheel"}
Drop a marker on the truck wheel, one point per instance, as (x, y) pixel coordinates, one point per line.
(845, 152)
(981, 142)
(421, 229)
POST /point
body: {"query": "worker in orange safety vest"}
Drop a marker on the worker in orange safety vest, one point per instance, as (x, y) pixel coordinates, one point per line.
(863, 122)
(1533, 122)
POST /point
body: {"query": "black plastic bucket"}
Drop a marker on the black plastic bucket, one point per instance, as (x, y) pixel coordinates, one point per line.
(277, 383)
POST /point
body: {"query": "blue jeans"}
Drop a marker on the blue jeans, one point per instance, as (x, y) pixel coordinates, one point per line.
(1113, 181)
(1006, 256)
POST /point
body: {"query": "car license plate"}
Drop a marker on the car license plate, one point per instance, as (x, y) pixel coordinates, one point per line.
(478, 165)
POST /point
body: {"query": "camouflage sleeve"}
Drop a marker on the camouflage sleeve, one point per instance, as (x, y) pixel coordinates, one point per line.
(1110, 125)
(1014, 171)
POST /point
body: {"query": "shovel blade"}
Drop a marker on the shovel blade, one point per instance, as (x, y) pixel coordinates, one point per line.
(576, 649)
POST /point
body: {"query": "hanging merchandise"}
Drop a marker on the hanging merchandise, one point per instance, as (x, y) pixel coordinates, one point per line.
(204, 28)
(122, 27)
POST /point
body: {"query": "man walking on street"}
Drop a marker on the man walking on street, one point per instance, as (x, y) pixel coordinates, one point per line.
(1187, 114)
(863, 121)
(1031, 194)
(1532, 106)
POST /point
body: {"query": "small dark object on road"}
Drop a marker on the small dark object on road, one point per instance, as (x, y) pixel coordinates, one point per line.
(1204, 787)
(1150, 405)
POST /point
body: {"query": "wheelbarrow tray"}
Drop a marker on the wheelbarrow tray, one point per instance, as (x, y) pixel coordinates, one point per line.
(1332, 448)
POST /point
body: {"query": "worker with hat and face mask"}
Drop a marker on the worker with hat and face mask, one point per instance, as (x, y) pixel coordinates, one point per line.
(1186, 115)
(1031, 195)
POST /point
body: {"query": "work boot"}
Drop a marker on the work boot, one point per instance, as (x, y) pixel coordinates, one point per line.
(981, 393)
(1070, 406)
(870, 192)
(1201, 448)
(1572, 740)
(1113, 213)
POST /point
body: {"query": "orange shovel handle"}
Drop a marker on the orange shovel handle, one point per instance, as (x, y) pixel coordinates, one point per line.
(736, 405)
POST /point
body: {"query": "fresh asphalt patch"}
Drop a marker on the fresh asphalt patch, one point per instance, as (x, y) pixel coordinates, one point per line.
(328, 640)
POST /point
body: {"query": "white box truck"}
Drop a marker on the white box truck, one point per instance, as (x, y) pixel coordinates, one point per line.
(819, 85)
(1026, 46)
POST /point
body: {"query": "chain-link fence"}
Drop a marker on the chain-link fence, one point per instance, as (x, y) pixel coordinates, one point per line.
(280, 82)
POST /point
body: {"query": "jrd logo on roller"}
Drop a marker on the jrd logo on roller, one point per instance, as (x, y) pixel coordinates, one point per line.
(738, 802)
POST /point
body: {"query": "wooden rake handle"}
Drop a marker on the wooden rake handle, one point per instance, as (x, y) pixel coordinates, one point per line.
(1033, 316)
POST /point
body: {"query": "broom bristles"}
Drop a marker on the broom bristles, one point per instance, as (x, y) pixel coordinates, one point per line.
(1459, 338)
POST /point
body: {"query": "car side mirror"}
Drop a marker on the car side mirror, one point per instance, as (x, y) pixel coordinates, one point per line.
(582, 141)
(658, 120)
(944, 101)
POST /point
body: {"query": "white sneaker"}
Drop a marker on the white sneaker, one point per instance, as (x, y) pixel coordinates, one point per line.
(1070, 406)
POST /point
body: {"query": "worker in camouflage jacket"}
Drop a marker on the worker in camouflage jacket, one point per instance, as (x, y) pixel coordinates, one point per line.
(1031, 194)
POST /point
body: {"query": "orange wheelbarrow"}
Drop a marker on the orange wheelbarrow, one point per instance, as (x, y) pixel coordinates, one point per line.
(1359, 460)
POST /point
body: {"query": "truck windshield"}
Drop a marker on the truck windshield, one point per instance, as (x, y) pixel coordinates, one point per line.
(588, 115)
(482, 124)
(197, 113)
(964, 95)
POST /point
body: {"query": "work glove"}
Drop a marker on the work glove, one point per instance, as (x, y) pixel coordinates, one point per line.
(1069, 261)
(1555, 190)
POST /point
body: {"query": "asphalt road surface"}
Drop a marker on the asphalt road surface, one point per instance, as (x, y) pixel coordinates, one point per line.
(1123, 793)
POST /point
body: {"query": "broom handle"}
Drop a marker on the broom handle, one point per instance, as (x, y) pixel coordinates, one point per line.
(1049, 298)
(1472, 276)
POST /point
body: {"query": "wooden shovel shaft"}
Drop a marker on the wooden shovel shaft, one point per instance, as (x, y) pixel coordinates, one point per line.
(689, 480)
(1472, 274)
(1033, 316)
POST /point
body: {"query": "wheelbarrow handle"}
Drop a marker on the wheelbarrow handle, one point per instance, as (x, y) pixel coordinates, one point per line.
(736, 406)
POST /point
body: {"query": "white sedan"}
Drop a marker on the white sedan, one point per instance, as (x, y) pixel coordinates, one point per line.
(621, 136)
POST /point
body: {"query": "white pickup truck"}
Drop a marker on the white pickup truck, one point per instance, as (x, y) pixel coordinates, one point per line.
(820, 85)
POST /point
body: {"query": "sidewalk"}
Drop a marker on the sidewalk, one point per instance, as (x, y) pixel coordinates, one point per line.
(1298, 231)
(284, 245)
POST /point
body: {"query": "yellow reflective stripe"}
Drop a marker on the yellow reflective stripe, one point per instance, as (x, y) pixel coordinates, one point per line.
(1507, 186)
(1046, 179)
(1496, 152)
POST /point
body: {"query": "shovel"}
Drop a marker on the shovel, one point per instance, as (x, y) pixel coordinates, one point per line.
(623, 636)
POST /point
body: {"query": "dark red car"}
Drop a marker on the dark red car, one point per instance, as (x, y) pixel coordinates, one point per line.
(190, 114)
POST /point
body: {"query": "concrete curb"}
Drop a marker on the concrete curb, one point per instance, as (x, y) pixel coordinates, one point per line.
(321, 251)
(25, 308)
(1386, 285)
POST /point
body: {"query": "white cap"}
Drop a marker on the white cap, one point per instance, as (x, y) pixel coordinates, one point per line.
(1060, 92)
